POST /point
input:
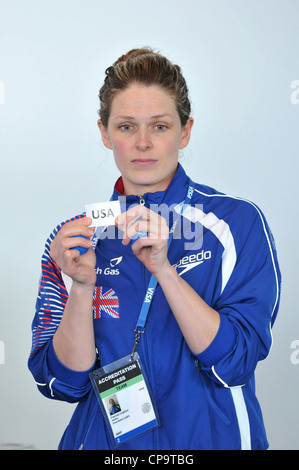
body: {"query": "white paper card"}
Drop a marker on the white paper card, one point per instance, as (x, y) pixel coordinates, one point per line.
(103, 213)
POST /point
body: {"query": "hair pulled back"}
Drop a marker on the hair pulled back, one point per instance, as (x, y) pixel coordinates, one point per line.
(147, 67)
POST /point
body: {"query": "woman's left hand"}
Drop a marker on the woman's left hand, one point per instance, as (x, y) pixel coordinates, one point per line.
(152, 249)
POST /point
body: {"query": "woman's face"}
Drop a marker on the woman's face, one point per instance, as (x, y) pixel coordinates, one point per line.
(145, 133)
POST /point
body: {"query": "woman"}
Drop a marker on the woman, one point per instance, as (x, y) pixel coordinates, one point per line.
(216, 297)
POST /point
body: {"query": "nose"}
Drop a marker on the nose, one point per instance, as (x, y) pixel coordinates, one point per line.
(143, 140)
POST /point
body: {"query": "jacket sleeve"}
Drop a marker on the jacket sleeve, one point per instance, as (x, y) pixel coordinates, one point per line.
(53, 379)
(248, 303)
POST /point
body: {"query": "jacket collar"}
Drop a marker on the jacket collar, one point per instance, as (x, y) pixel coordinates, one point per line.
(175, 193)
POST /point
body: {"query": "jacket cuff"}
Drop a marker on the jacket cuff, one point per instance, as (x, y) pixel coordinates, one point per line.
(63, 373)
(222, 345)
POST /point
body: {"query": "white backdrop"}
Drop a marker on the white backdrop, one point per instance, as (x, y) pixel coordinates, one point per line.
(241, 61)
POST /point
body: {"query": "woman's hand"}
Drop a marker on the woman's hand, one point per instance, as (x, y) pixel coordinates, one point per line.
(74, 339)
(152, 249)
(200, 325)
(81, 268)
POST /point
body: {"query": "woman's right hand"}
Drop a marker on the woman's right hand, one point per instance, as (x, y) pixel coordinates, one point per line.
(81, 268)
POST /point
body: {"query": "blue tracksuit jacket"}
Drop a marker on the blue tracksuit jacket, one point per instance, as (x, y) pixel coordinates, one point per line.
(206, 401)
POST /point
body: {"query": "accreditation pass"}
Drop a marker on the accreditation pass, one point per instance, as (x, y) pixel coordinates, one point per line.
(125, 399)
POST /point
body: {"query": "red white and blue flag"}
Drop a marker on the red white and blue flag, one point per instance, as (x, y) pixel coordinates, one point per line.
(105, 303)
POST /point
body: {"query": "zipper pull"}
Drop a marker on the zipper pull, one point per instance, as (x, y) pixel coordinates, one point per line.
(139, 235)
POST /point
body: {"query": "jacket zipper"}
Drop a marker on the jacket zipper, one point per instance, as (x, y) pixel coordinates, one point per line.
(145, 349)
(142, 203)
(87, 430)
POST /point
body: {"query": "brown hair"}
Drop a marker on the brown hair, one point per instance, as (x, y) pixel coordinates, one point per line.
(147, 67)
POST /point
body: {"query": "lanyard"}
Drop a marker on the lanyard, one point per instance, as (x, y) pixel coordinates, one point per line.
(140, 325)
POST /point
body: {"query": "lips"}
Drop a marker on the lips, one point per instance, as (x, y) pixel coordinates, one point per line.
(144, 162)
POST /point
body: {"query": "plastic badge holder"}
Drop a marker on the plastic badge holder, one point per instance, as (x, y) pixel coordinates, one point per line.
(125, 399)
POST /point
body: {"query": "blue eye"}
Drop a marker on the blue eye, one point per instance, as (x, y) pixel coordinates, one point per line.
(126, 127)
(161, 127)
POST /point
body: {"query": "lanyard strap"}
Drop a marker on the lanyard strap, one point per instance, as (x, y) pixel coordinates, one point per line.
(140, 325)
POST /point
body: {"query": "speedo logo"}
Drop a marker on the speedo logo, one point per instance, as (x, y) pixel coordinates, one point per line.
(191, 261)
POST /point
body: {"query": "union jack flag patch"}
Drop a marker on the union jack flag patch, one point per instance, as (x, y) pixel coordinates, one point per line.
(105, 303)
